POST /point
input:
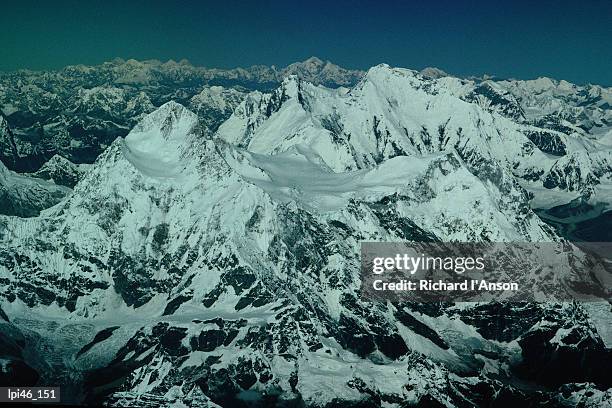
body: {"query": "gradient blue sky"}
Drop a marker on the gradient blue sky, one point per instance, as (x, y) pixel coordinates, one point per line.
(514, 38)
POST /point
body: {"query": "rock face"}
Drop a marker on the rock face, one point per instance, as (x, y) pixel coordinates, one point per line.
(25, 196)
(15, 372)
(560, 105)
(214, 104)
(580, 171)
(8, 148)
(323, 73)
(78, 111)
(215, 262)
(61, 171)
(397, 112)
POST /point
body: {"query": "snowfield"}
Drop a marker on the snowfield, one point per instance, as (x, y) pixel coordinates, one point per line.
(202, 265)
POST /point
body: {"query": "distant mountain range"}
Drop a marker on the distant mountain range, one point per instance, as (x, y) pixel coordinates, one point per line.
(79, 110)
(181, 236)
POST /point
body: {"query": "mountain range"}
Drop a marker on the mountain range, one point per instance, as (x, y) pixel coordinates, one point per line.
(181, 236)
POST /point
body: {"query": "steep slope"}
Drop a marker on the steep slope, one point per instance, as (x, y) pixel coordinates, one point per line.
(585, 107)
(25, 196)
(191, 271)
(79, 110)
(165, 179)
(61, 171)
(215, 104)
(321, 72)
(8, 148)
(391, 112)
(394, 112)
(75, 123)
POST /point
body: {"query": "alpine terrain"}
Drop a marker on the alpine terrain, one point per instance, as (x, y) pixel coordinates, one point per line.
(172, 235)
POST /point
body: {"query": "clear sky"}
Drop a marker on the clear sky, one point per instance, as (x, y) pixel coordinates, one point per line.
(513, 38)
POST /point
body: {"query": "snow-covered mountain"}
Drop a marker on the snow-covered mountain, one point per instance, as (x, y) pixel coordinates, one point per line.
(25, 196)
(78, 111)
(547, 101)
(8, 148)
(317, 71)
(397, 112)
(60, 170)
(214, 104)
(211, 258)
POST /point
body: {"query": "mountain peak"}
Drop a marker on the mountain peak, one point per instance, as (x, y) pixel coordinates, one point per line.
(290, 87)
(233, 261)
(156, 144)
(167, 115)
(317, 71)
(314, 61)
(172, 106)
(383, 72)
(312, 65)
(433, 73)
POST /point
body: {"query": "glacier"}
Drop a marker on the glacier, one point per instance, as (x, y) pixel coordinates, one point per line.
(213, 259)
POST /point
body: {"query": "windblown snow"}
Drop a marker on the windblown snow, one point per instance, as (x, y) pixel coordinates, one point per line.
(199, 263)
